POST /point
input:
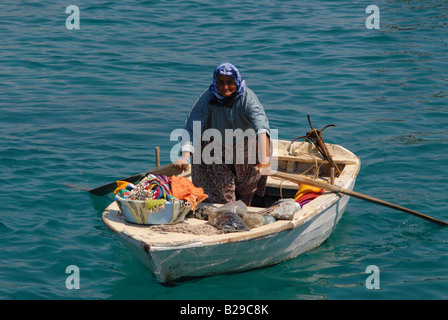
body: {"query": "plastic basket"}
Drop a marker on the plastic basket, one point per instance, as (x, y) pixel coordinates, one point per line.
(135, 211)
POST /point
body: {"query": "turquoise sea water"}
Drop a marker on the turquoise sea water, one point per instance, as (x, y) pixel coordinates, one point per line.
(88, 106)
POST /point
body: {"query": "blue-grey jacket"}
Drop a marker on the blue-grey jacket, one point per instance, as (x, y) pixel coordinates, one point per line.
(246, 113)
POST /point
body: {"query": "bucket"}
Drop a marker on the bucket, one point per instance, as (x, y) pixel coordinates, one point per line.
(135, 211)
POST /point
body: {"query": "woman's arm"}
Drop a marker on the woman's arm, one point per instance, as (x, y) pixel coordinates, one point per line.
(264, 167)
(183, 164)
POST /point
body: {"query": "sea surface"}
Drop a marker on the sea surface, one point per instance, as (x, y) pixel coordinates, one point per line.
(88, 106)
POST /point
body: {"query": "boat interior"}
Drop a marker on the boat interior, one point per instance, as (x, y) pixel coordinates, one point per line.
(298, 157)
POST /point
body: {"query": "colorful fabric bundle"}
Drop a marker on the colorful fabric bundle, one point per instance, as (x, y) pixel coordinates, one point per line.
(156, 189)
(152, 187)
(159, 185)
(307, 193)
(123, 186)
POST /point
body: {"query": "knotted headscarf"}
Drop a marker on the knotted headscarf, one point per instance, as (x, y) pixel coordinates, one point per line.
(227, 69)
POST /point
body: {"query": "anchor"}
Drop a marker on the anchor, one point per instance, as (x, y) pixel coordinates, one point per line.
(315, 136)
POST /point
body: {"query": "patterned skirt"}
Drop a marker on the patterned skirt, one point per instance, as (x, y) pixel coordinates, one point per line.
(226, 182)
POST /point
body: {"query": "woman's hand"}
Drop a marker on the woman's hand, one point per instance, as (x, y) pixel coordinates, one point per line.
(263, 168)
(182, 164)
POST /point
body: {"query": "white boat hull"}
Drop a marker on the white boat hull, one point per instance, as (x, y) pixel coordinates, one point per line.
(185, 256)
(172, 264)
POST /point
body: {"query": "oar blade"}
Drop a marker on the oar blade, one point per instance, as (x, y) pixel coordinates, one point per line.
(167, 169)
(110, 187)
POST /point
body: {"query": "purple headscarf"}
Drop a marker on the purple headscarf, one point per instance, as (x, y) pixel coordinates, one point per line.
(227, 69)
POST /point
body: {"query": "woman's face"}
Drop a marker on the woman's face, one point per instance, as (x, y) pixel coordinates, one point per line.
(226, 85)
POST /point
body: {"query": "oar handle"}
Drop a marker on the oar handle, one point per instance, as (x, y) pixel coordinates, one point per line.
(334, 188)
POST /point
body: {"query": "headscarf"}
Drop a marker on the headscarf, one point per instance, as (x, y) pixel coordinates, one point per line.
(227, 69)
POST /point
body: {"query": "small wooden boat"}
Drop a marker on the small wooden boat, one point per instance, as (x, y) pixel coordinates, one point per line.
(174, 256)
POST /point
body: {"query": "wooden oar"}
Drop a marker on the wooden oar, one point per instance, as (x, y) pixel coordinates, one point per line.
(305, 180)
(167, 169)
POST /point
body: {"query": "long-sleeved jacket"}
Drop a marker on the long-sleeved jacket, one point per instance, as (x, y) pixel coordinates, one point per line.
(246, 113)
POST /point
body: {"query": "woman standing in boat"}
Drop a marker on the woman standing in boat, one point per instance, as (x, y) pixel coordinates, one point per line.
(226, 169)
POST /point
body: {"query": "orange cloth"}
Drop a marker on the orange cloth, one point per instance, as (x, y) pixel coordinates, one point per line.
(183, 188)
